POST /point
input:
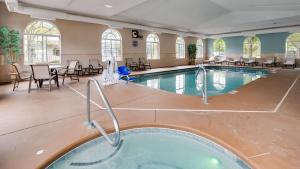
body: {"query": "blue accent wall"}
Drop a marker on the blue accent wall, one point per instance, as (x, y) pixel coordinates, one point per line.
(270, 43)
(234, 44)
(273, 42)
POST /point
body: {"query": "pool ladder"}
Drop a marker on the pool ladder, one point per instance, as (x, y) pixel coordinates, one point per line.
(92, 123)
(204, 86)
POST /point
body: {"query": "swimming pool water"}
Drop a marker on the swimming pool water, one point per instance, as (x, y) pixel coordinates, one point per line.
(151, 148)
(220, 80)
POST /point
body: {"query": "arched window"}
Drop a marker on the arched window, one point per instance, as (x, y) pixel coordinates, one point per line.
(293, 45)
(219, 47)
(152, 46)
(199, 48)
(42, 43)
(252, 47)
(111, 45)
(180, 48)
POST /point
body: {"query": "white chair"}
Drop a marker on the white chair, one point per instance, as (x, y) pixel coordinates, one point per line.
(233, 61)
(71, 71)
(210, 60)
(250, 61)
(269, 62)
(220, 60)
(41, 72)
(290, 61)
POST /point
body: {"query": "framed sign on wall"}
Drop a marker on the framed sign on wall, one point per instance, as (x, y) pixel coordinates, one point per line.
(135, 43)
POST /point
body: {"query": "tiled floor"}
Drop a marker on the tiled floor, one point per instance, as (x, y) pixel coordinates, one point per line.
(261, 122)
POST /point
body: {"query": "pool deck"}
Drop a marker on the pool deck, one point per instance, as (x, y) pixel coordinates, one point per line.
(261, 122)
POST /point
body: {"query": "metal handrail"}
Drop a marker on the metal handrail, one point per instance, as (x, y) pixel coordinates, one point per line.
(116, 141)
(204, 91)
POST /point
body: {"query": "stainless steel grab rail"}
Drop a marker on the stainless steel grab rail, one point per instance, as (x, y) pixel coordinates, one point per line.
(116, 141)
(204, 91)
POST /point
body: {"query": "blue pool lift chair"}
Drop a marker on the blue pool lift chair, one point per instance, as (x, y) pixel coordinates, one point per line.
(124, 72)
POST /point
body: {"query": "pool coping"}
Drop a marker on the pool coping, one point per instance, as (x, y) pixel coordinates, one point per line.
(137, 73)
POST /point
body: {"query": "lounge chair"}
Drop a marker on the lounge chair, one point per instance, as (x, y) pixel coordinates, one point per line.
(124, 73)
(210, 60)
(269, 62)
(290, 62)
(95, 66)
(220, 60)
(131, 64)
(41, 72)
(70, 71)
(234, 61)
(144, 63)
(250, 62)
(20, 75)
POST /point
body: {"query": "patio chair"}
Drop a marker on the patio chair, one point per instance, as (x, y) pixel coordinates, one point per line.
(20, 75)
(220, 60)
(269, 62)
(144, 63)
(290, 62)
(131, 64)
(210, 60)
(95, 66)
(41, 72)
(71, 70)
(124, 72)
(233, 61)
(250, 62)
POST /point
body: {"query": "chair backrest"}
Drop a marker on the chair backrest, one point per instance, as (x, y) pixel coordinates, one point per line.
(251, 59)
(18, 69)
(72, 66)
(290, 60)
(123, 70)
(212, 58)
(41, 71)
(143, 60)
(94, 62)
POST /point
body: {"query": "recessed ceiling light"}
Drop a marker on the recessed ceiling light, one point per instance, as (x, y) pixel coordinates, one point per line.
(108, 6)
(39, 152)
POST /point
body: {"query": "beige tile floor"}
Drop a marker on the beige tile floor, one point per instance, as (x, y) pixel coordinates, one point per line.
(251, 123)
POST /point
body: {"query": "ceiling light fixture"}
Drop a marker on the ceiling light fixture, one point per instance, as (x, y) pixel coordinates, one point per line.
(108, 6)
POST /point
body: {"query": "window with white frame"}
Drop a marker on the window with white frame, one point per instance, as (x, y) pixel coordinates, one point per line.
(251, 47)
(111, 45)
(293, 46)
(180, 48)
(199, 48)
(42, 43)
(152, 46)
(219, 47)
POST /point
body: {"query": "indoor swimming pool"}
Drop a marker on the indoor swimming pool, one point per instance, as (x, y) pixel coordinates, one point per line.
(220, 80)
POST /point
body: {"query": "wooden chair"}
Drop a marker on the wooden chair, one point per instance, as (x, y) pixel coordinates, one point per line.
(20, 75)
(42, 72)
(95, 66)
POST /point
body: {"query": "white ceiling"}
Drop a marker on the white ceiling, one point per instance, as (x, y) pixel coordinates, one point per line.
(196, 16)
